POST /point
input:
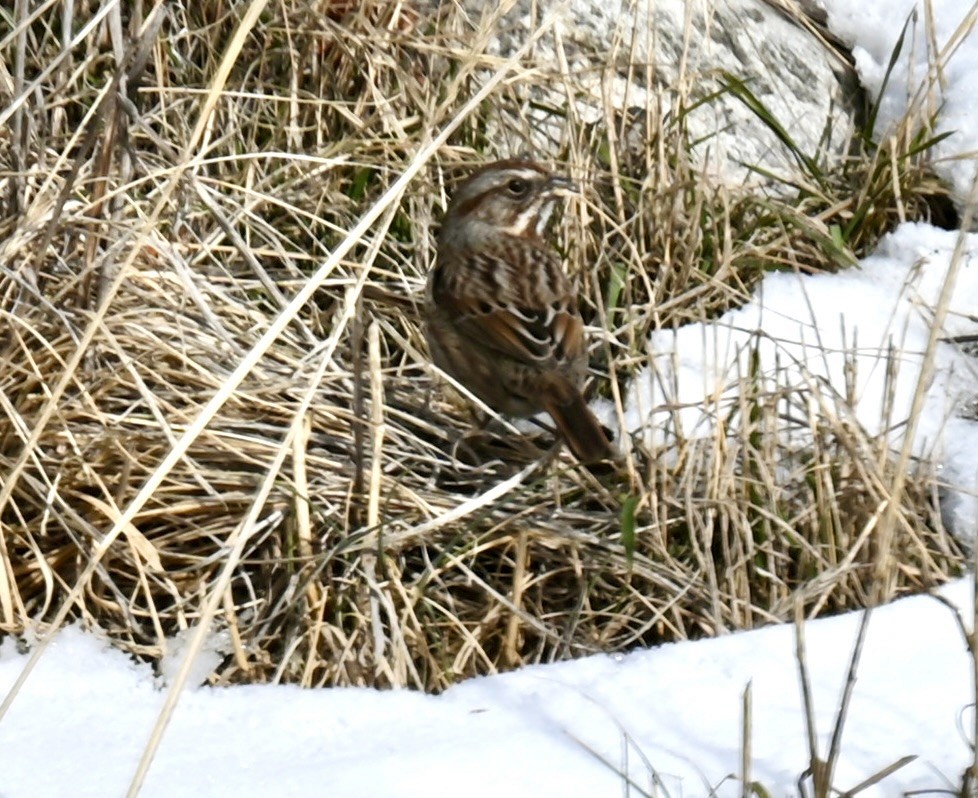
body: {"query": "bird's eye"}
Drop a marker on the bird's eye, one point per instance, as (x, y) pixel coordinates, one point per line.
(517, 187)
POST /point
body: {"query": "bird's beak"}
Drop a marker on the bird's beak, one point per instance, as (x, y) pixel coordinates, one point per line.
(562, 187)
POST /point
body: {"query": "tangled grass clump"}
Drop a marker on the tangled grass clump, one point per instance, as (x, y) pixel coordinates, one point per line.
(184, 443)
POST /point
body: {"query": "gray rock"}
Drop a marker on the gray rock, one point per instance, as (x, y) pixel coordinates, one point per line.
(658, 56)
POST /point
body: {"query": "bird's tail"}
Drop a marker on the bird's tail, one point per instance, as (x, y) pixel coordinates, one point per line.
(577, 425)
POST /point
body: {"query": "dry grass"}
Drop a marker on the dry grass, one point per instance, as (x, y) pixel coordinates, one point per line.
(183, 438)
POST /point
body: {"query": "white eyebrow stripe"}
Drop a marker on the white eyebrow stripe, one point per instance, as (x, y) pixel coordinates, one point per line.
(526, 174)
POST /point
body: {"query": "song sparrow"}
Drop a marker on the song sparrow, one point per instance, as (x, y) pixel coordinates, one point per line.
(501, 314)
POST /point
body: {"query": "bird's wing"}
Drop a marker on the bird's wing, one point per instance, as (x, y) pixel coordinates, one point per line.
(538, 325)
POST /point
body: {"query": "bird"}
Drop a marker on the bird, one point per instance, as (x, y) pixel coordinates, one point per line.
(501, 315)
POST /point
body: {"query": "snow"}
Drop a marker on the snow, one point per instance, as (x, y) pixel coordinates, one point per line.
(670, 717)
(808, 332)
(873, 30)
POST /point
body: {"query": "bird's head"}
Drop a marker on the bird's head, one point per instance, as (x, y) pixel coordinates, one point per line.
(512, 197)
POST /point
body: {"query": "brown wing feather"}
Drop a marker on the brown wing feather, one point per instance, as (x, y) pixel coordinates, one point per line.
(522, 334)
(540, 327)
(567, 331)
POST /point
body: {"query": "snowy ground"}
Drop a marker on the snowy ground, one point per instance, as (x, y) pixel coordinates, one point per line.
(670, 716)
(671, 713)
(873, 28)
(810, 332)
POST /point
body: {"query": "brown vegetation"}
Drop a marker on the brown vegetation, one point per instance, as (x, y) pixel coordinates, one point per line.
(185, 440)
